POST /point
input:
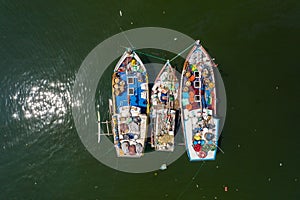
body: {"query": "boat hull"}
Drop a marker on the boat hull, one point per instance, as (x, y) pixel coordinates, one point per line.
(198, 105)
(164, 104)
(130, 106)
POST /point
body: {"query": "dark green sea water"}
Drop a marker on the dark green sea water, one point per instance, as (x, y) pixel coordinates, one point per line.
(42, 45)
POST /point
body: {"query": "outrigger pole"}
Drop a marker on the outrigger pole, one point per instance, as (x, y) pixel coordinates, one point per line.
(99, 126)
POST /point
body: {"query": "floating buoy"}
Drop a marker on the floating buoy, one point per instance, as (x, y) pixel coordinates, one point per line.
(209, 136)
(188, 74)
(202, 154)
(132, 150)
(225, 188)
(133, 62)
(120, 12)
(188, 83)
(139, 148)
(122, 89)
(189, 107)
(211, 85)
(163, 167)
(124, 147)
(197, 137)
(122, 83)
(194, 68)
(192, 94)
(197, 147)
(191, 99)
(192, 78)
(202, 142)
(185, 89)
(117, 92)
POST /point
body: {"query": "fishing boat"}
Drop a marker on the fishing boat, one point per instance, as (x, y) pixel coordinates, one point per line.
(164, 105)
(198, 105)
(130, 106)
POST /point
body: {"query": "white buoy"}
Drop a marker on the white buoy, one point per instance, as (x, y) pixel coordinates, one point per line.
(121, 14)
(163, 167)
(269, 179)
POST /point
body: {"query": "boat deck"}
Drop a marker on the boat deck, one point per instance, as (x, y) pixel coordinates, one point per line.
(130, 106)
(198, 103)
(201, 143)
(163, 111)
(138, 94)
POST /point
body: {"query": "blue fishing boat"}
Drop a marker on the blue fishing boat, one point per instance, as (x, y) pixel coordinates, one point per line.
(164, 105)
(130, 106)
(198, 105)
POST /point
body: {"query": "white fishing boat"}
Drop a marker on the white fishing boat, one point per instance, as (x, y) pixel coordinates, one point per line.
(198, 105)
(164, 105)
(130, 105)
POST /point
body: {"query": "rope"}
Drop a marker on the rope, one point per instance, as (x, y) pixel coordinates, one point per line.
(126, 37)
(132, 47)
(183, 51)
(159, 58)
(193, 178)
(146, 54)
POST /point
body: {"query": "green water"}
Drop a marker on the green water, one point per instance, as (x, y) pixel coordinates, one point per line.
(42, 45)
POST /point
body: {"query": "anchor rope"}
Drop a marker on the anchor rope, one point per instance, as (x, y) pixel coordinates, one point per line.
(146, 54)
(183, 51)
(193, 178)
(157, 57)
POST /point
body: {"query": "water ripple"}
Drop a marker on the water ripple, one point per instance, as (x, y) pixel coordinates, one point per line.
(35, 107)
